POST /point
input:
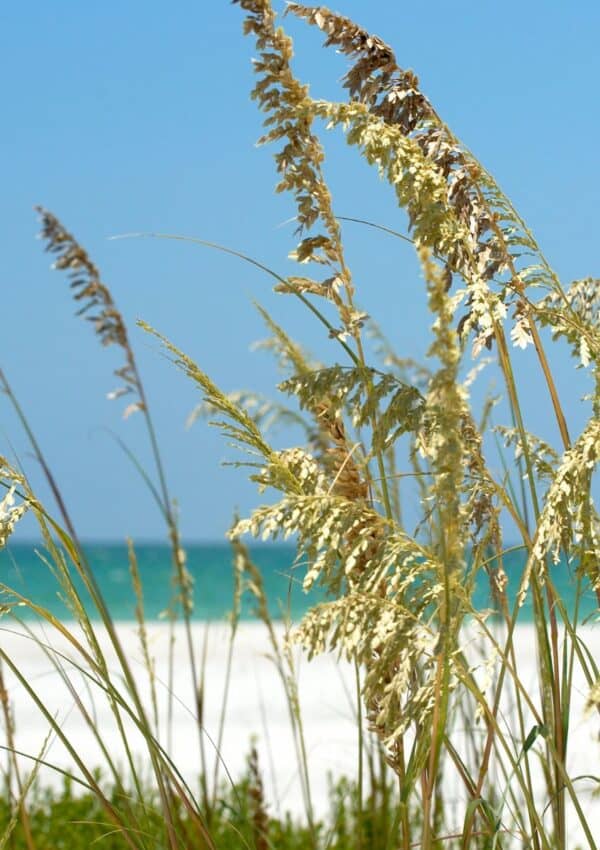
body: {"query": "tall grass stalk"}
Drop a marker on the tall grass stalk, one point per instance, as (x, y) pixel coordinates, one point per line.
(111, 329)
(283, 661)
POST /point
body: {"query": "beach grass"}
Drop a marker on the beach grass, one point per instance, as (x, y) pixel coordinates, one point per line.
(456, 745)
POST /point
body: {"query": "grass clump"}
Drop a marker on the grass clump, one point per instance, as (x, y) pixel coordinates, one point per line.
(470, 755)
(66, 818)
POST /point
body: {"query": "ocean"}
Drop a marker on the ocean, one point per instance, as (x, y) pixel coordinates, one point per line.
(210, 565)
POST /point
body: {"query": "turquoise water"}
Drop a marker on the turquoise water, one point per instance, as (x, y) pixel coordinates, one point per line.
(211, 567)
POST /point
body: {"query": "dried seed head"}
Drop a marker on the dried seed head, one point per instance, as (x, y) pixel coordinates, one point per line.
(96, 301)
(10, 513)
(493, 236)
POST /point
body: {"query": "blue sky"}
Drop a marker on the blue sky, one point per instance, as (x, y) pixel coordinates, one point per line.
(135, 116)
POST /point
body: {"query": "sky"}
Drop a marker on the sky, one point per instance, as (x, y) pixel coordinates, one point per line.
(136, 117)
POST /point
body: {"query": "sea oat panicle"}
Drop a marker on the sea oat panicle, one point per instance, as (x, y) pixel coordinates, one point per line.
(568, 519)
(494, 239)
(10, 513)
(97, 303)
(575, 316)
(592, 703)
(291, 114)
(543, 458)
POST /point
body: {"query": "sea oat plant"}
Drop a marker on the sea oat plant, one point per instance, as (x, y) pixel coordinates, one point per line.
(401, 603)
(479, 754)
(66, 557)
(98, 306)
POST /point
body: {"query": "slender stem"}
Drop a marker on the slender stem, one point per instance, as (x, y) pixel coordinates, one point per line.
(360, 745)
(289, 286)
(224, 701)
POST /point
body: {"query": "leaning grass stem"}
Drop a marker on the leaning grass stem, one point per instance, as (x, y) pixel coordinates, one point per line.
(76, 554)
(438, 723)
(285, 667)
(57, 662)
(110, 327)
(537, 830)
(224, 249)
(199, 703)
(556, 405)
(97, 673)
(177, 559)
(89, 777)
(13, 764)
(222, 713)
(20, 810)
(142, 631)
(557, 758)
(509, 651)
(546, 658)
(360, 745)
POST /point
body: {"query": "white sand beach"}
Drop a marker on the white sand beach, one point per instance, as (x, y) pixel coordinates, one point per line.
(257, 707)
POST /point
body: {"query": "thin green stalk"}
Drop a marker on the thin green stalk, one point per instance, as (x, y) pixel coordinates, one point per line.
(537, 830)
(88, 774)
(306, 301)
(142, 633)
(284, 665)
(79, 559)
(556, 757)
(100, 678)
(100, 605)
(177, 557)
(360, 745)
(199, 697)
(548, 653)
(109, 325)
(224, 703)
(13, 764)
